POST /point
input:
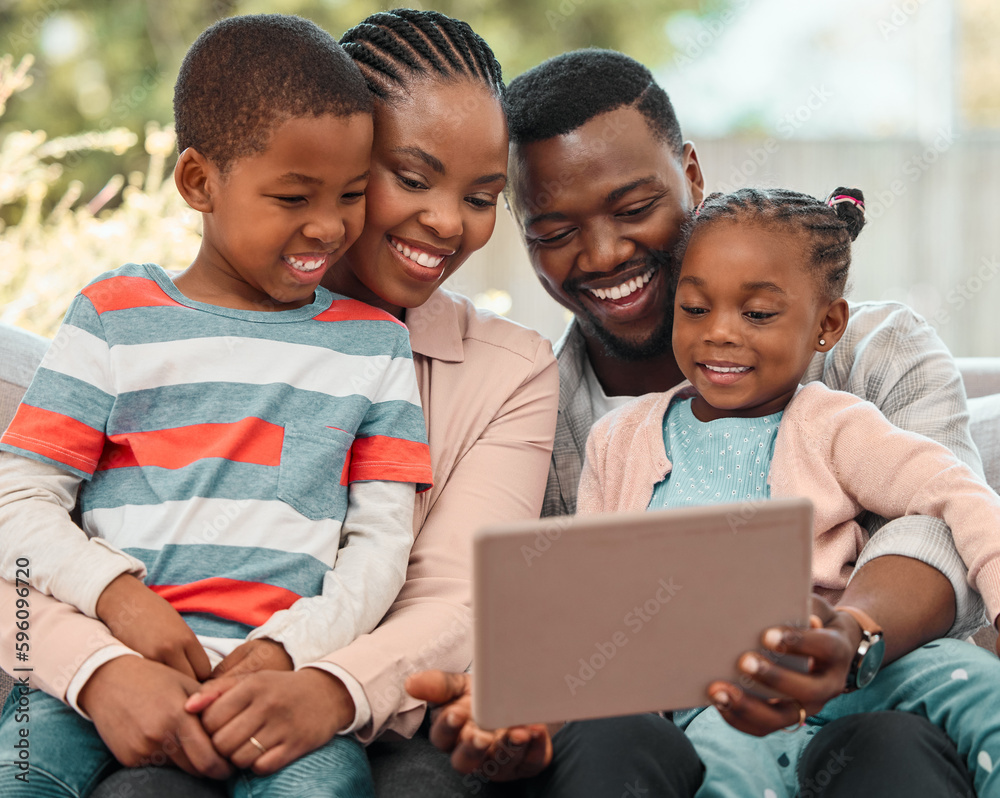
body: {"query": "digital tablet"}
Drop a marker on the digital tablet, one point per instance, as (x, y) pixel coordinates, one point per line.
(603, 615)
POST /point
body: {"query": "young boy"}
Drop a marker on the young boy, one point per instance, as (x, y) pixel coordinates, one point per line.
(243, 440)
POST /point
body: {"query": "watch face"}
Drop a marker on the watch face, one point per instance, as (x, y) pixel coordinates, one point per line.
(870, 663)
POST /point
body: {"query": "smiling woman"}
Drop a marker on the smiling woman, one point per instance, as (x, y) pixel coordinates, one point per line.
(488, 387)
(432, 196)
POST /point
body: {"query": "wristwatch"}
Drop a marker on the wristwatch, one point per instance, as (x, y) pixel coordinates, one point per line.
(871, 650)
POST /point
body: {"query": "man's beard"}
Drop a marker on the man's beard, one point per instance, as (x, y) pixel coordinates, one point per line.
(661, 339)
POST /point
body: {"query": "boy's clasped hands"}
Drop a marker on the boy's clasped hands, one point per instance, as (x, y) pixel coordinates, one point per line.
(199, 718)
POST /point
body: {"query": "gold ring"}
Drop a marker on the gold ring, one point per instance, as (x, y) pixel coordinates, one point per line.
(802, 719)
(256, 743)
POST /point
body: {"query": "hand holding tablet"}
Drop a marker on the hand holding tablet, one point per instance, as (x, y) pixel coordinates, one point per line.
(583, 617)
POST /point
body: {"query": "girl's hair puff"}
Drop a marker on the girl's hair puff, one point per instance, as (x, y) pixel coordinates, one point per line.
(830, 226)
(394, 47)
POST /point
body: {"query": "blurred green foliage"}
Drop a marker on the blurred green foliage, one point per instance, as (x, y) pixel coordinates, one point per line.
(58, 242)
(86, 146)
(103, 64)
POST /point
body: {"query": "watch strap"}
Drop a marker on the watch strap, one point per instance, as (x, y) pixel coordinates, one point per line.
(872, 637)
(865, 621)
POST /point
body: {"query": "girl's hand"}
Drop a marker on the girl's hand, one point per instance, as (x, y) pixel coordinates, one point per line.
(290, 713)
(829, 643)
(501, 755)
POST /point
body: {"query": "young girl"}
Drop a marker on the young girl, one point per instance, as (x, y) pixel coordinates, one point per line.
(760, 291)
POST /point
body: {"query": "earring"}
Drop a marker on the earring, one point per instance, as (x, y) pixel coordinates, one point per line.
(822, 341)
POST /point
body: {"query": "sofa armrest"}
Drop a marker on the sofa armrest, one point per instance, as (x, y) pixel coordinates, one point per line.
(20, 353)
(981, 375)
(984, 423)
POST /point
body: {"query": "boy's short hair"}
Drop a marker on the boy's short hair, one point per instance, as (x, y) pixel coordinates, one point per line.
(245, 75)
(567, 91)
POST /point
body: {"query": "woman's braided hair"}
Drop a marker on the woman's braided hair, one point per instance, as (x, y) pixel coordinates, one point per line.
(392, 47)
(830, 226)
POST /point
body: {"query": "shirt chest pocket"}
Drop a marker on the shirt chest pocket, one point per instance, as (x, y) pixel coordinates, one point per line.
(314, 463)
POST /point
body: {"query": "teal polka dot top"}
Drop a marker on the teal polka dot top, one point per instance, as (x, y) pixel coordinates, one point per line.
(726, 460)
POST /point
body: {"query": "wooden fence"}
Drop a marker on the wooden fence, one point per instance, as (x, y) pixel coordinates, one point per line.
(933, 239)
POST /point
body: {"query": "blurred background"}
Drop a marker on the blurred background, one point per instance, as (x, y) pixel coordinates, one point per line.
(898, 97)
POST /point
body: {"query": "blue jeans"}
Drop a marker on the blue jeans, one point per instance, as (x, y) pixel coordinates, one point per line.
(950, 682)
(64, 757)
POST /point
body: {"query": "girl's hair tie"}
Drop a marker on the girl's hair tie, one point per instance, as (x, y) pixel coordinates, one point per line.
(836, 199)
(700, 206)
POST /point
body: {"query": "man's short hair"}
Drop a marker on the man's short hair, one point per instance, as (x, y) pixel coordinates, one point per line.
(245, 75)
(561, 94)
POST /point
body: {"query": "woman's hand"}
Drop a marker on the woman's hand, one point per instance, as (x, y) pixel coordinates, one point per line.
(830, 643)
(501, 755)
(290, 713)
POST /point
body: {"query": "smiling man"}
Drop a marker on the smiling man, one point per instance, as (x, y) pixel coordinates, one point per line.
(601, 182)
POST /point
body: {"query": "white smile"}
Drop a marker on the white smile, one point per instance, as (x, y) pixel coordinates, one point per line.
(305, 264)
(417, 256)
(626, 288)
(727, 369)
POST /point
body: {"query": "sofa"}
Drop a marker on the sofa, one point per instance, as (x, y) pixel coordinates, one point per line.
(20, 353)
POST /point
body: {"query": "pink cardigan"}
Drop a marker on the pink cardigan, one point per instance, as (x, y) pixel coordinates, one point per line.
(833, 448)
(490, 390)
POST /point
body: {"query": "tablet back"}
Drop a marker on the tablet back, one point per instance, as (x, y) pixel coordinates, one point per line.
(595, 616)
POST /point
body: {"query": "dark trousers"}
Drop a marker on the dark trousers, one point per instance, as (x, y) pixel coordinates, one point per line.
(888, 754)
(638, 755)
